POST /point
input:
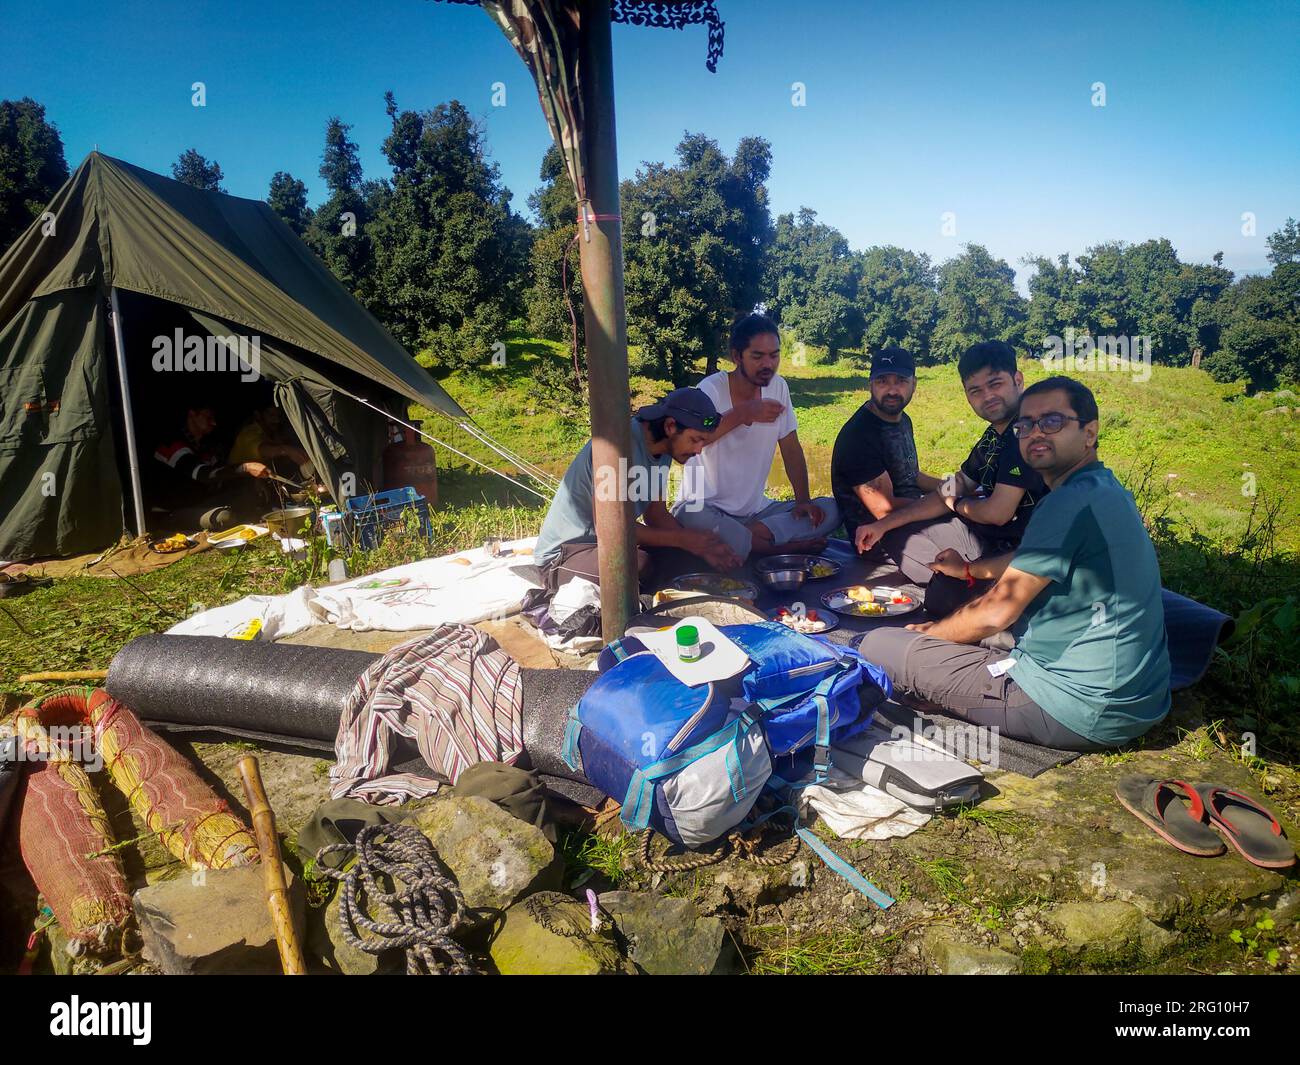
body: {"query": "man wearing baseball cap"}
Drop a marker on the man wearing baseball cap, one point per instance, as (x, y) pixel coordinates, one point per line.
(874, 468)
(672, 430)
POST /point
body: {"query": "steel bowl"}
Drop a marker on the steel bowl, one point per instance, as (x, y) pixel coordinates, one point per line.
(783, 580)
(779, 562)
(290, 521)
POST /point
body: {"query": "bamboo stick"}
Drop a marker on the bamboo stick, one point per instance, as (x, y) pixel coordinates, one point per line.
(72, 674)
(277, 896)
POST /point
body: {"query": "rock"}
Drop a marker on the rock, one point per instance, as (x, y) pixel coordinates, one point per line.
(214, 921)
(495, 857)
(1079, 838)
(1109, 928)
(327, 944)
(296, 784)
(549, 934)
(955, 957)
(666, 937)
(739, 889)
(60, 960)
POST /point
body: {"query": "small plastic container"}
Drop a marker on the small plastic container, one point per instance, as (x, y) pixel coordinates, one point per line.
(688, 643)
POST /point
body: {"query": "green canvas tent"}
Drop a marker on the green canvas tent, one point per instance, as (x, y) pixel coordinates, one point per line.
(90, 295)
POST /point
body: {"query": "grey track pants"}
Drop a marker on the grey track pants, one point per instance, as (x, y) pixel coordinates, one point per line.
(956, 677)
(778, 516)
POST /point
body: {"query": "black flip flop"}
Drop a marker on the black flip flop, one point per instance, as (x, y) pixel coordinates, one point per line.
(1249, 827)
(1173, 811)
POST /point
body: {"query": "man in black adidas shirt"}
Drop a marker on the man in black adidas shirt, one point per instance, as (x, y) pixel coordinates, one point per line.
(983, 508)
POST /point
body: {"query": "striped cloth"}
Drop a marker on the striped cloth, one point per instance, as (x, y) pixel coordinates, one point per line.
(454, 692)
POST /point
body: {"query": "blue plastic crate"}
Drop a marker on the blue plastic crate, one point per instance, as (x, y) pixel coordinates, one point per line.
(372, 514)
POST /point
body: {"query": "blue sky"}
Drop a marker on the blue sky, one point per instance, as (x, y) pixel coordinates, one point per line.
(912, 110)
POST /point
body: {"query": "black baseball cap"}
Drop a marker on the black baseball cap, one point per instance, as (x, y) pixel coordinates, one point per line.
(688, 407)
(893, 360)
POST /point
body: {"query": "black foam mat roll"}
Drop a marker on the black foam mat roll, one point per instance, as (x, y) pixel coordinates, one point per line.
(548, 696)
(279, 692)
(237, 686)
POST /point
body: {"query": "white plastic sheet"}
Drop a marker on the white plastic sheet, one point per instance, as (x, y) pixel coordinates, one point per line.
(463, 588)
(854, 810)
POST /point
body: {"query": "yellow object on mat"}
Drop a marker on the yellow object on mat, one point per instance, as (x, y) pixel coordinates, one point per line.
(239, 532)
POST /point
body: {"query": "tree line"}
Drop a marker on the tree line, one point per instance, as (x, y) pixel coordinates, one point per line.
(438, 253)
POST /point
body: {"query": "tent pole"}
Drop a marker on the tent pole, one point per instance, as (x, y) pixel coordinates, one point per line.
(133, 459)
(600, 244)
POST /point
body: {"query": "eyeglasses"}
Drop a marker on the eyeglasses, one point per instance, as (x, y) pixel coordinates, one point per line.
(1049, 423)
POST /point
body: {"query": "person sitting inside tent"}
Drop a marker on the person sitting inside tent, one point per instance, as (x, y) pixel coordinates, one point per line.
(264, 438)
(672, 430)
(724, 488)
(981, 510)
(1080, 594)
(192, 483)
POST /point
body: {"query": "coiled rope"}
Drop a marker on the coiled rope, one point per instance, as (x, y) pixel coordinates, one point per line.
(418, 916)
(750, 849)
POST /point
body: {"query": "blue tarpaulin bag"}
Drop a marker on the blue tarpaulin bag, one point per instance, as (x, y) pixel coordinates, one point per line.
(691, 762)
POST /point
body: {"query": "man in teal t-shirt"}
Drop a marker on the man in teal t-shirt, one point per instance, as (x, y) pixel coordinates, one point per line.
(1081, 595)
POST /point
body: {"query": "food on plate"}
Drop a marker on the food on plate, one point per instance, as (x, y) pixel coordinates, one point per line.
(176, 542)
(823, 569)
(809, 622)
(899, 597)
(860, 594)
(872, 609)
(715, 584)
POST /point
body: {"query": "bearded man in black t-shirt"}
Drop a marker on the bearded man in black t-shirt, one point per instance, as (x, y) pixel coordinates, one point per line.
(983, 508)
(874, 468)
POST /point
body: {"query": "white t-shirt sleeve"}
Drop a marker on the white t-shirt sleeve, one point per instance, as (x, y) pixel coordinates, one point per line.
(787, 423)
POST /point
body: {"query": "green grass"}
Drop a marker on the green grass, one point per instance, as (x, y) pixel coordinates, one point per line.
(999, 822)
(821, 954)
(946, 874)
(588, 854)
(81, 622)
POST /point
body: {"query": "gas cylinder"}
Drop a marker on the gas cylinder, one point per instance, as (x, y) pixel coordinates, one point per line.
(410, 461)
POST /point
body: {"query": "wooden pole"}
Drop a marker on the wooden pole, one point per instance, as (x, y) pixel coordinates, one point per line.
(71, 674)
(277, 895)
(600, 243)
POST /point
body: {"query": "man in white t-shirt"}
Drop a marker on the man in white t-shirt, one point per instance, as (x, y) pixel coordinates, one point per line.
(724, 488)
